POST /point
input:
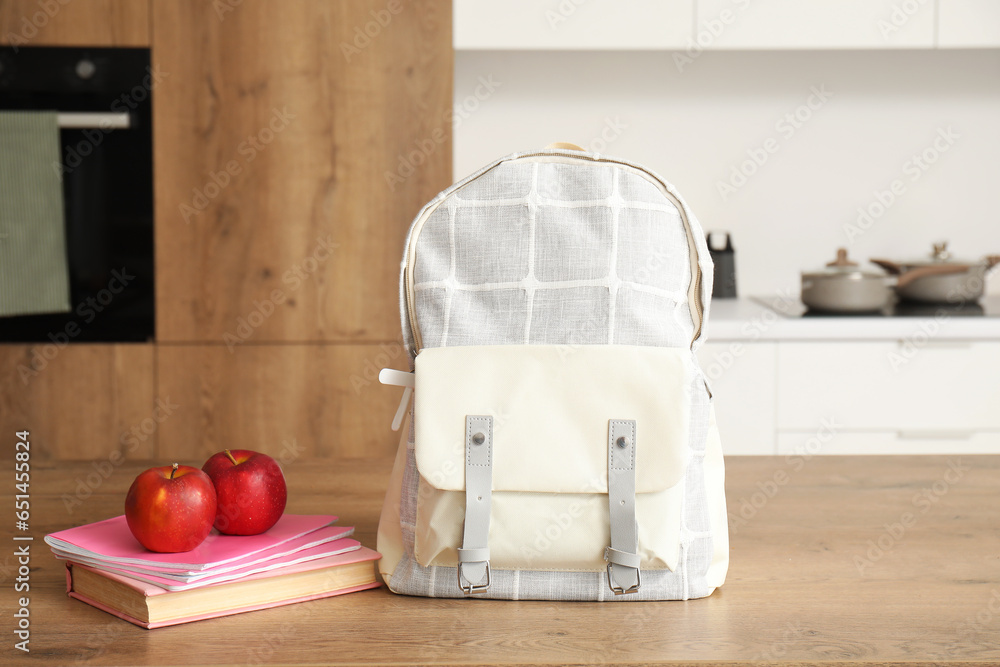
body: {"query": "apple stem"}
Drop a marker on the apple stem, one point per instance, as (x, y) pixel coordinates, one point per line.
(172, 471)
(231, 457)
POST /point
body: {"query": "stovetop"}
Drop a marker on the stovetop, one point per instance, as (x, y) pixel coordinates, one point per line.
(986, 307)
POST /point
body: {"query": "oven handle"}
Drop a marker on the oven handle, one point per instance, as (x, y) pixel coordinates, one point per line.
(75, 120)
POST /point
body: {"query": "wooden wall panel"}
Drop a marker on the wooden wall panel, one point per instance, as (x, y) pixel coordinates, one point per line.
(74, 22)
(274, 136)
(82, 401)
(311, 401)
(293, 144)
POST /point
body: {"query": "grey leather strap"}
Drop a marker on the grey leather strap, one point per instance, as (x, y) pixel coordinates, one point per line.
(474, 554)
(622, 555)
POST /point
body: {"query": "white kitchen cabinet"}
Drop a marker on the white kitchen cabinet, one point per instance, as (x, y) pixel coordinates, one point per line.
(695, 25)
(742, 379)
(787, 385)
(815, 24)
(818, 443)
(921, 387)
(968, 23)
(573, 24)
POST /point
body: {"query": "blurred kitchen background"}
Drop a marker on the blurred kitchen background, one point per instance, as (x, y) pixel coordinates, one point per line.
(292, 143)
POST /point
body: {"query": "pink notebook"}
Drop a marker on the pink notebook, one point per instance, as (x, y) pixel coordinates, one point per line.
(316, 538)
(149, 590)
(320, 552)
(111, 541)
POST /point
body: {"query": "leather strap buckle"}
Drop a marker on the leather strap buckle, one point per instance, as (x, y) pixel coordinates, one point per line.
(474, 554)
(618, 590)
(623, 554)
(615, 557)
(471, 588)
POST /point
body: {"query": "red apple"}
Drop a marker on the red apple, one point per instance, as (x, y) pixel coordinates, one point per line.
(171, 508)
(250, 488)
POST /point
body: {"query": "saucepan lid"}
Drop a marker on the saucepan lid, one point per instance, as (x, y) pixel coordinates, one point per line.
(843, 268)
(939, 256)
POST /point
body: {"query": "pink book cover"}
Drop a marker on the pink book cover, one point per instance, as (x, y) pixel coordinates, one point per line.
(321, 551)
(356, 556)
(111, 541)
(306, 542)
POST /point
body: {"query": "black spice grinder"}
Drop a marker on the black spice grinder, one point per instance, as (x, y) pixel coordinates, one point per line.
(724, 259)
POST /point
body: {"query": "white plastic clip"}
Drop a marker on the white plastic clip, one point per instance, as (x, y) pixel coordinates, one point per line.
(391, 376)
(397, 378)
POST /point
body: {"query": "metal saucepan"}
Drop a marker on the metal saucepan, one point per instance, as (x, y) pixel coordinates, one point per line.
(843, 287)
(963, 283)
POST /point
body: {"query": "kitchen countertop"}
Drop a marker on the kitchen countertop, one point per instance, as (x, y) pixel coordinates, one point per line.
(776, 318)
(823, 571)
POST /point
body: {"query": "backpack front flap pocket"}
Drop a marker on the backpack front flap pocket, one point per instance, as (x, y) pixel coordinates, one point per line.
(538, 431)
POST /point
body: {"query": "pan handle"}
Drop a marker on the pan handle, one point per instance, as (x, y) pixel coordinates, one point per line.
(908, 277)
(890, 266)
(991, 261)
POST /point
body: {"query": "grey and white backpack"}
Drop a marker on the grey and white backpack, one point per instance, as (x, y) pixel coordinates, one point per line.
(561, 443)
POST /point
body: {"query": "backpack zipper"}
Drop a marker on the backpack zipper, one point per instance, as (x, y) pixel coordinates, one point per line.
(692, 248)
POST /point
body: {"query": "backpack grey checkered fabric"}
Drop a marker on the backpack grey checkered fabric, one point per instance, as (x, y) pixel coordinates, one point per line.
(568, 248)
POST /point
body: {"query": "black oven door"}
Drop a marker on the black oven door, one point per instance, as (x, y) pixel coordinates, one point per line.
(107, 177)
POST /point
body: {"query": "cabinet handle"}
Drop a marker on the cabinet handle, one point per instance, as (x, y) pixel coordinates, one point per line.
(938, 344)
(934, 435)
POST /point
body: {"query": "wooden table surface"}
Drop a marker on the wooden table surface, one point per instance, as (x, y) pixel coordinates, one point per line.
(839, 560)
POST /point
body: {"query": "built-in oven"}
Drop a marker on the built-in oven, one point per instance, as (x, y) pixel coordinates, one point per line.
(103, 101)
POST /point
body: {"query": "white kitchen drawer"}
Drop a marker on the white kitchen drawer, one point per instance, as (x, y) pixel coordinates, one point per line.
(806, 444)
(814, 24)
(889, 386)
(573, 24)
(968, 23)
(742, 378)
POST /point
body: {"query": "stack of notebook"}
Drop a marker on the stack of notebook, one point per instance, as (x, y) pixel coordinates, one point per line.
(302, 557)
